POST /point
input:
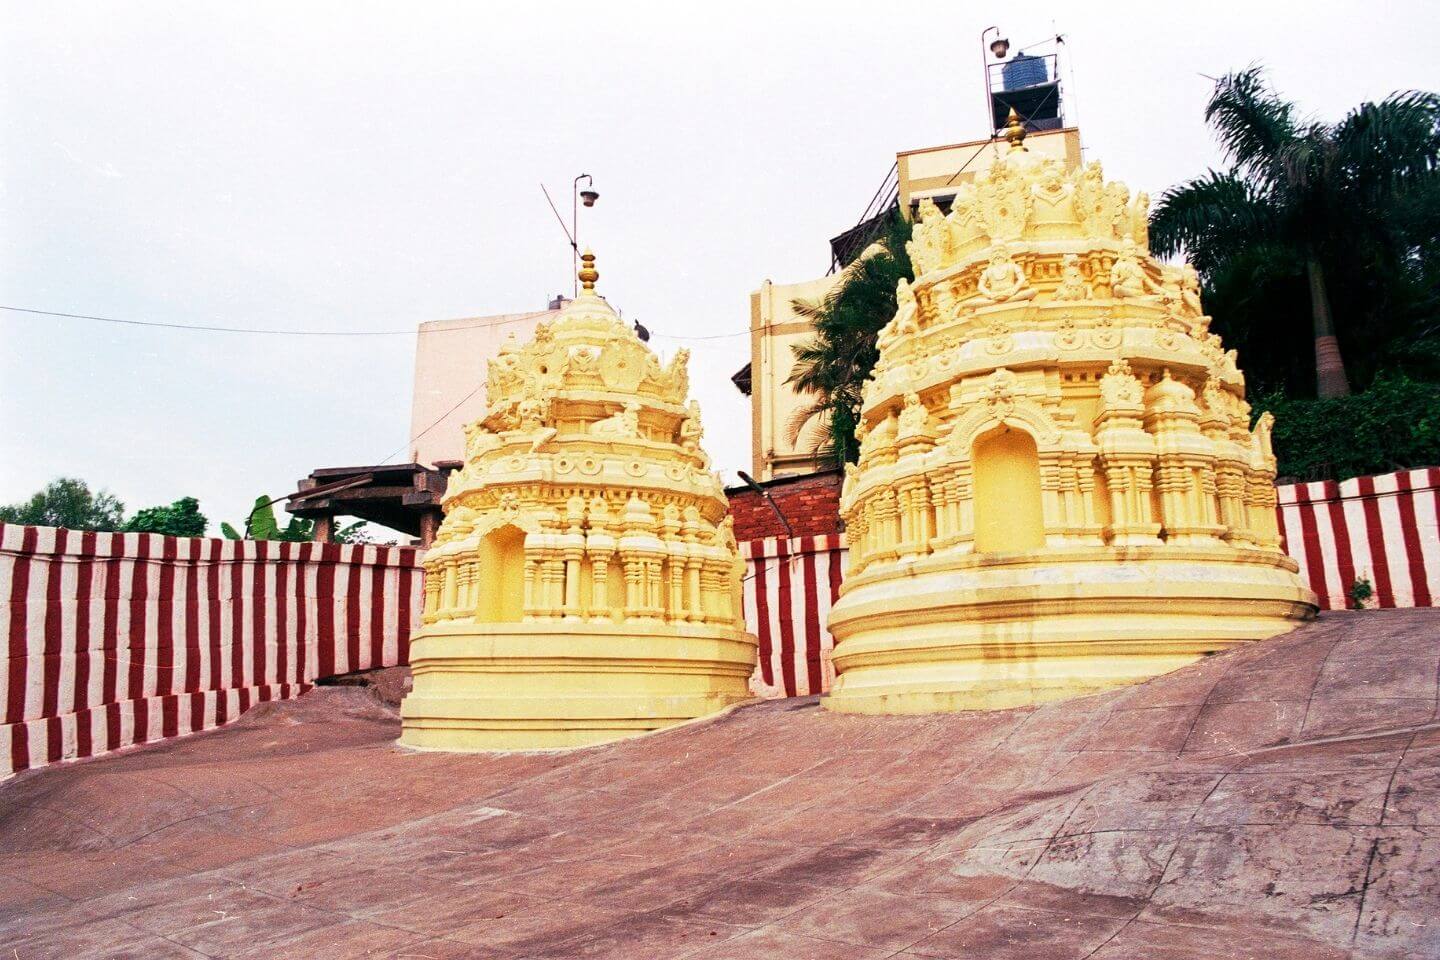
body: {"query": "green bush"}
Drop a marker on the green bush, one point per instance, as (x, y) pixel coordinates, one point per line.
(1394, 425)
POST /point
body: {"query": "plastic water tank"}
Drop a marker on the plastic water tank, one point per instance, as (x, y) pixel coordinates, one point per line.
(1023, 71)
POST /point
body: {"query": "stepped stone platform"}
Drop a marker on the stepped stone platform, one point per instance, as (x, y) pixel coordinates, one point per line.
(1279, 801)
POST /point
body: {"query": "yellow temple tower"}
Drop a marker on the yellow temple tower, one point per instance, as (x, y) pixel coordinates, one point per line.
(585, 583)
(1059, 489)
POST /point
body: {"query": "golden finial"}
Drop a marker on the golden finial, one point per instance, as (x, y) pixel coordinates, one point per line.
(588, 274)
(1015, 130)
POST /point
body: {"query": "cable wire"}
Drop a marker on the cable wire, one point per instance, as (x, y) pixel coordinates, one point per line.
(209, 328)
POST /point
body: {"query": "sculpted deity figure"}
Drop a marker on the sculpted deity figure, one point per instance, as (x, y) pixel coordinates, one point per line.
(930, 239)
(1139, 220)
(677, 372)
(479, 441)
(532, 414)
(1002, 280)
(691, 433)
(625, 424)
(1052, 194)
(906, 320)
(690, 429)
(505, 376)
(1127, 278)
(1190, 290)
(914, 418)
(1073, 285)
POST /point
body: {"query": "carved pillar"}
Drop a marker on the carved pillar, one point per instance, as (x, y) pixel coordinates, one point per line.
(675, 579)
(573, 553)
(447, 605)
(695, 607)
(532, 583)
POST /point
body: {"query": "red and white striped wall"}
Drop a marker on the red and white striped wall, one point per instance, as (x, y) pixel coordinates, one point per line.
(1385, 529)
(789, 587)
(113, 639)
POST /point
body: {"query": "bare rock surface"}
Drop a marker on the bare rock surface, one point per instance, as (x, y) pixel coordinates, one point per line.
(1281, 801)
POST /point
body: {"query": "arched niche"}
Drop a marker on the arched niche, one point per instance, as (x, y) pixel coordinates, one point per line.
(502, 576)
(1009, 514)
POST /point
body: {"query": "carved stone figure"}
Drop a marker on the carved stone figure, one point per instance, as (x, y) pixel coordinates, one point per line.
(1190, 290)
(1128, 279)
(1120, 387)
(1003, 279)
(625, 424)
(1073, 285)
(914, 418)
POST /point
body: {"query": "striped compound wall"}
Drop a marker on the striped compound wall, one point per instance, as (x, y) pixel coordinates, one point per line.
(1384, 528)
(113, 639)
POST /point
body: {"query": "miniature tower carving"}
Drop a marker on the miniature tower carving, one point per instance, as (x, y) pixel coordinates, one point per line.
(1059, 489)
(584, 583)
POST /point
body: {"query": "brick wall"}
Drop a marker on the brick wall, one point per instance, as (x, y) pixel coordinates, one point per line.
(811, 504)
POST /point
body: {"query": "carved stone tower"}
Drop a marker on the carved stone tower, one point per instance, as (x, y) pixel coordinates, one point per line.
(585, 582)
(1059, 489)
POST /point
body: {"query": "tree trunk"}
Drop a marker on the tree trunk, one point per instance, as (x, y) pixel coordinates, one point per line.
(1330, 379)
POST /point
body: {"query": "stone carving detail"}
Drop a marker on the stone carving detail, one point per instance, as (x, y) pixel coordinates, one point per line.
(1073, 285)
(1128, 278)
(1003, 279)
(1120, 388)
(624, 424)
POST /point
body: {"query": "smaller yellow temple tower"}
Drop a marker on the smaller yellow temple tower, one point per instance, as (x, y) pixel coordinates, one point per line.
(585, 583)
(1059, 488)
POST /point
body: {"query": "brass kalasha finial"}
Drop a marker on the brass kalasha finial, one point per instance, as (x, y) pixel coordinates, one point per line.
(1015, 130)
(588, 274)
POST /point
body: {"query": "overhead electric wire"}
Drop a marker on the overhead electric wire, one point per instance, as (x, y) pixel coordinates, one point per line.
(209, 328)
(271, 331)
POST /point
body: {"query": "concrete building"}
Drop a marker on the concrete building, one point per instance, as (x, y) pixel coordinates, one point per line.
(449, 391)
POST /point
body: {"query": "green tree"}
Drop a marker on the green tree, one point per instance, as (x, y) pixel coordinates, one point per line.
(1340, 215)
(181, 519)
(67, 502)
(833, 365)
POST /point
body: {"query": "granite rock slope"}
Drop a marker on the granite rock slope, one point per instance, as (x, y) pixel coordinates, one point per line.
(1277, 801)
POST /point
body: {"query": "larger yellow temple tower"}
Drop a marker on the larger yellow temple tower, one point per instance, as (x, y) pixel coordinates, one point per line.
(1059, 489)
(585, 583)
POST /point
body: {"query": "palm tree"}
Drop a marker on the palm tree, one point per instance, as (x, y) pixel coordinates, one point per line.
(833, 365)
(1325, 198)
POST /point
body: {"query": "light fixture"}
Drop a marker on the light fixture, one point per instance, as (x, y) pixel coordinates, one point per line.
(1000, 48)
(588, 196)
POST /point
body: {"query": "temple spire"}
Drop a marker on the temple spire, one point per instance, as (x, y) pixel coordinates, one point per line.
(1015, 130)
(588, 274)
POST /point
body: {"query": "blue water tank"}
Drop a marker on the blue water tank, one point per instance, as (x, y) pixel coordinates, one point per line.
(1023, 71)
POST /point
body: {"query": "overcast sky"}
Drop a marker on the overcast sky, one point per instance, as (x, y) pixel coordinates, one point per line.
(367, 167)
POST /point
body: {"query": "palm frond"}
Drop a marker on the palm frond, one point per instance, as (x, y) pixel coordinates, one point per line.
(801, 418)
(1250, 121)
(1209, 216)
(1382, 146)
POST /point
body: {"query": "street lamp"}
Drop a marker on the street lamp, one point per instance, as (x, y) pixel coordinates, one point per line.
(589, 196)
(999, 46)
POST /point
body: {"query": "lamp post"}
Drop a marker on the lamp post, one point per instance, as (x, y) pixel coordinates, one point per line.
(589, 196)
(999, 46)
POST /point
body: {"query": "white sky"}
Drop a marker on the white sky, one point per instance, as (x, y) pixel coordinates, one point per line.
(371, 166)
